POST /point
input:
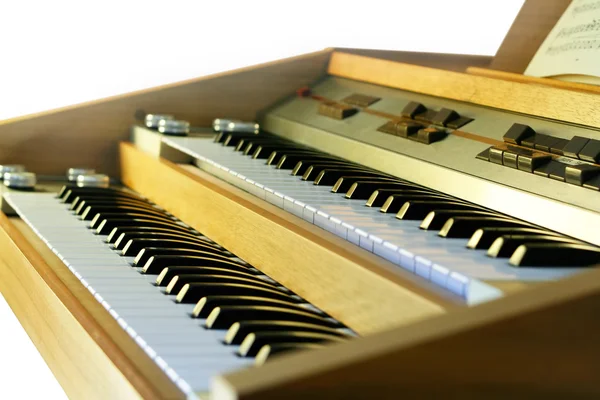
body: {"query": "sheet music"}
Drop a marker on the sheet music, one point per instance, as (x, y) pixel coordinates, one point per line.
(573, 45)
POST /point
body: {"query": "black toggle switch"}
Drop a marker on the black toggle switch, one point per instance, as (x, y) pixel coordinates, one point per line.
(412, 109)
(579, 174)
(517, 133)
(444, 116)
(575, 145)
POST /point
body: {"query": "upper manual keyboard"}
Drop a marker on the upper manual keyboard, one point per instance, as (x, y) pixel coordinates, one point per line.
(448, 241)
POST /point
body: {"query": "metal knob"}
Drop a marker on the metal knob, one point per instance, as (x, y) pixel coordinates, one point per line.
(20, 180)
(174, 127)
(233, 125)
(152, 120)
(73, 173)
(11, 168)
(93, 180)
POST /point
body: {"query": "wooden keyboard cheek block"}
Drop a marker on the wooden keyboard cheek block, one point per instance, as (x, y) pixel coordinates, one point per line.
(351, 286)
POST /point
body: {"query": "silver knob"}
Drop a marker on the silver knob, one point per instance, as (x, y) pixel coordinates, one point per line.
(233, 125)
(93, 180)
(20, 180)
(73, 173)
(173, 127)
(11, 168)
(152, 120)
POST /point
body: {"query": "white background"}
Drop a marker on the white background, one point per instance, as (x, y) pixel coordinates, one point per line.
(56, 53)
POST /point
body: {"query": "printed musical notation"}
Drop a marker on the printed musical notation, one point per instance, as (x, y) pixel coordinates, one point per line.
(573, 45)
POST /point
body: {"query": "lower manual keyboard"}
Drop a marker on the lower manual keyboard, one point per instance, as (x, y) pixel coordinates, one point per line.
(445, 262)
(243, 318)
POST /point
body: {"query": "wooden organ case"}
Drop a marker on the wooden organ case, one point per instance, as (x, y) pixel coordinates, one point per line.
(428, 316)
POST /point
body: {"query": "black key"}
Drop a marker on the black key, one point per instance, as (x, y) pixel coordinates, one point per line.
(168, 273)
(555, 255)
(328, 177)
(134, 246)
(544, 142)
(397, 200)
(246, 144)
(270, 351)
(115, 233)
(484, 237)
(529, 163)
(303, 167)
(80, 202)
(177, 283)
(517, 132)
(156, 264)
(73, 192)
(436, 219)
(362, 190)
(232, 139)
(106, 222)
(224, 317)
(193, 292)
(239, 330)
(444, 116)
(380, 196)
(91, 211)
(289, 158)
(314, 171)
(412, 109)
(579, 174)
(206, 304)
(591, 151)
(575, 145)
(344, 183)
(419, 209)
(504, 246)
(144, 255)
(464, 227)
(264, 151)
(558, 146)
(428, 135)
(127, 236)
(255, 341)
(142, 224)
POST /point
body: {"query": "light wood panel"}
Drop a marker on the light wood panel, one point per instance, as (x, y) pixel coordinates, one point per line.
(88, 352)
(451, 62)
(527, 33)
(368, 294)
(537, 344)
(86, 134)
(548, 102)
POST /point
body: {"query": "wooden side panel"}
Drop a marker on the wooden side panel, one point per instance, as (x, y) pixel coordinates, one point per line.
(451, 62)
(88, 352)
(510, 76)
(87, 134)
(350, 284)
(547, 102)
(537, 344)
(527, 33)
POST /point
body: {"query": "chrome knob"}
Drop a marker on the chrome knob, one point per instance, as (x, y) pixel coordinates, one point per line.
(73, 173)
(11, 168)
(234, 125)
(20, 180)
(152, 120)
(93, 180)
(174, 127)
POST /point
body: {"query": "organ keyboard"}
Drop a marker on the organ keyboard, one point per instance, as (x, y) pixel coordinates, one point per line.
(382, 228)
